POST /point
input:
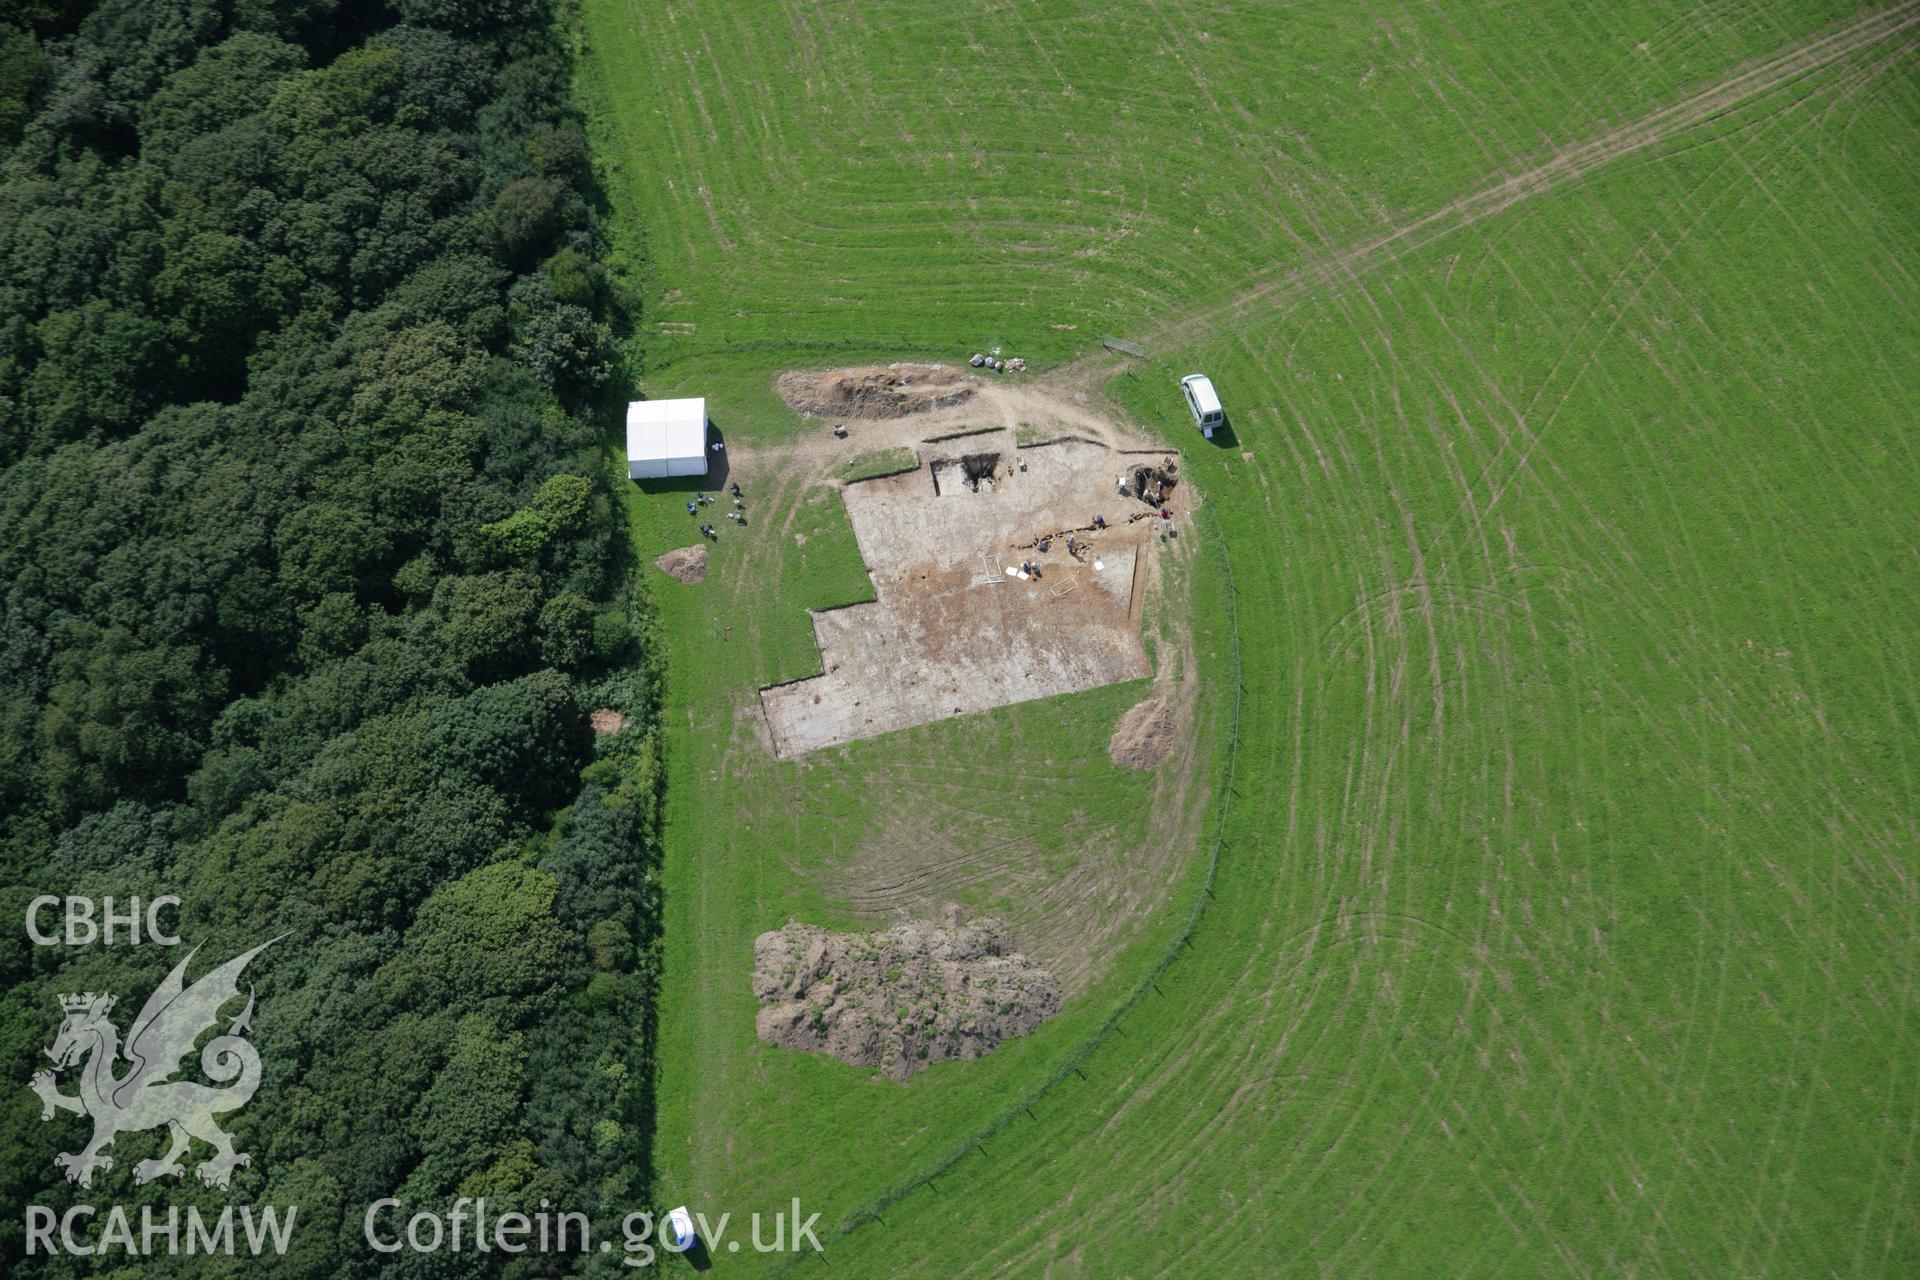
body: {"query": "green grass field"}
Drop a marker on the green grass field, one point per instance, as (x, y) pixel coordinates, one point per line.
(880, 462)
(1554, 605)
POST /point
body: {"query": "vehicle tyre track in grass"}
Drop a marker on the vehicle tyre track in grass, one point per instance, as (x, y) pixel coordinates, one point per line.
(1567, 165)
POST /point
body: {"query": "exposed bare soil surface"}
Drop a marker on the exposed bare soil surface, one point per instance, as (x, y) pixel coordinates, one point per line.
(971, 613)
(684, 564)
(607, 720)
(900, 1000)
(1145, 735)
(877, 391)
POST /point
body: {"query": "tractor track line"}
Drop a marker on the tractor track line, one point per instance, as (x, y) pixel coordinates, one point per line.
(1569, 164)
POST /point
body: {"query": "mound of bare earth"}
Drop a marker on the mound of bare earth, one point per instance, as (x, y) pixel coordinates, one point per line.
(684, 564)
(1144, 737)
(876, 391)
(899, 1000)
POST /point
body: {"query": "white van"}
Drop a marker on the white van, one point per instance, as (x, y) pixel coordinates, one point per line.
(1202, 402)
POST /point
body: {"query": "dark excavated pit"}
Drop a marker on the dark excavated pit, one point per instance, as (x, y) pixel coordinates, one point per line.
(976, 472)
(1154, 485)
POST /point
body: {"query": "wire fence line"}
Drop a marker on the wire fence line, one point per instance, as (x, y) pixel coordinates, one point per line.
(975, 1142)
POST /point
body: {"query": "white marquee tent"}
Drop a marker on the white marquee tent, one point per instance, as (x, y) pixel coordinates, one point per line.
(667, 438)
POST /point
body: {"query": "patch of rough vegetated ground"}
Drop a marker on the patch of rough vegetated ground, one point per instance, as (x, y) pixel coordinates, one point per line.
(901, 1000)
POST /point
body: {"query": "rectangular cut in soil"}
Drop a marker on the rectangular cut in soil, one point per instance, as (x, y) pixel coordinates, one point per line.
(943, 637)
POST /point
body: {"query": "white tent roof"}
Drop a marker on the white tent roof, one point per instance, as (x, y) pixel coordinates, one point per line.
(667, 431)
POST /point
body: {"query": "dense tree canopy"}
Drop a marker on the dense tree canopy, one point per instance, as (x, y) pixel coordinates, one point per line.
(309, 581)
